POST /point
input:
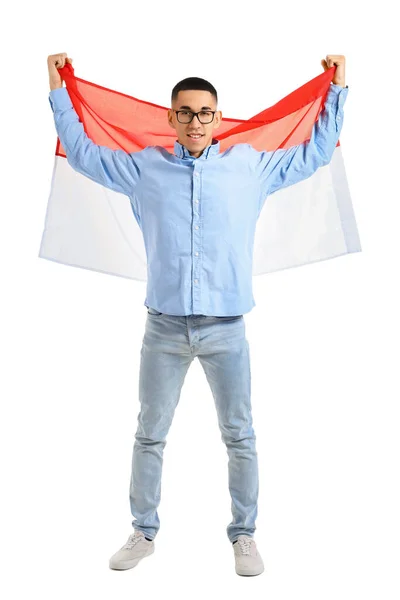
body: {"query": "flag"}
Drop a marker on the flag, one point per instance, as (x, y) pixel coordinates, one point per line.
(92, 227)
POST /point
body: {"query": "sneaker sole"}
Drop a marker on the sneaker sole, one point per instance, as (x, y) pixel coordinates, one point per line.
(249, 574)
(129, 564)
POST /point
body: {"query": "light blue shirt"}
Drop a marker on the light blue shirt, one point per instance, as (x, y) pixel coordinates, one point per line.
(198, 215)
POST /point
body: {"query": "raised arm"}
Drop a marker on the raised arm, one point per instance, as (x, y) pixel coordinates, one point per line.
(115, 169)
(283, 167)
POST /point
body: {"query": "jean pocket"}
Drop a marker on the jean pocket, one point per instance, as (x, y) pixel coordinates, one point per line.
(153, 311)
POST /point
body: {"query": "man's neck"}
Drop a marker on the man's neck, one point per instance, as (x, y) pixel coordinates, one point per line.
(197, 154)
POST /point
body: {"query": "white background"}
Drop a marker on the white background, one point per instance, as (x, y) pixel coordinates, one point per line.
(324, 338)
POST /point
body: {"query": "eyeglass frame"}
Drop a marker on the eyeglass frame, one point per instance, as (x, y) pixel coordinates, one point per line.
(195, 114)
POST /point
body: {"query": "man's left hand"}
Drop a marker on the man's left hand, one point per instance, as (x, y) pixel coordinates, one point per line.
(340, 62)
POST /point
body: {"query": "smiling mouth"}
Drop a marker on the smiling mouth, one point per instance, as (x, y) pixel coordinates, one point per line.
(195, 136)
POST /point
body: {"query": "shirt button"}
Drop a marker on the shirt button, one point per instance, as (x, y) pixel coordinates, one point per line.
(197, 253)
(196, 201)
(195, 280)
(196, 227)
(196, 174)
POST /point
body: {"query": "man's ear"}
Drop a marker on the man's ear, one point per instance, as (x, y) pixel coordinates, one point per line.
(218, 121)
(170, 113)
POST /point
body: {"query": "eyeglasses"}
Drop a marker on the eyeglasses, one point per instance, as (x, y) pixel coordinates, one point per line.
(204, 116)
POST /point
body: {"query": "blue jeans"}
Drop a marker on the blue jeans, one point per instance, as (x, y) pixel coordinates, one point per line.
(170, 345)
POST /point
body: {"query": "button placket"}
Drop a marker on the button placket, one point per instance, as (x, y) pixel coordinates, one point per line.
(196, 240)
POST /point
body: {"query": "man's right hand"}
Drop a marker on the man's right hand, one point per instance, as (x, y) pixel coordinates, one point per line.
(55, 62)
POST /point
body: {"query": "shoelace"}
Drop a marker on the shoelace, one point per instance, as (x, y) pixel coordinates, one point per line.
(134, 538)
(244, 545)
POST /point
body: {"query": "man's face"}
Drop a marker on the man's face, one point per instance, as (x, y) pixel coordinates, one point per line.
(195, 101)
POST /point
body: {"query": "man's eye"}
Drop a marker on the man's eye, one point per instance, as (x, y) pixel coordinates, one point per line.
(205, 113)
(185, 112)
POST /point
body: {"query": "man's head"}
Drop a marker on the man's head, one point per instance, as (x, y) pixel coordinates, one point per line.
(194, 95)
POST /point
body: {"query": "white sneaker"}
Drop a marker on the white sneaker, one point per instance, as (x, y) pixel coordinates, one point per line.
(247, 559)
(136, 548)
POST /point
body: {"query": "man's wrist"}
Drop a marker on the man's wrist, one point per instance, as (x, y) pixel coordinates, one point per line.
(55, 85)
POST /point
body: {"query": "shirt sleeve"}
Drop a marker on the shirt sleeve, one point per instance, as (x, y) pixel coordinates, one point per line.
(115, 169)
(283, 167)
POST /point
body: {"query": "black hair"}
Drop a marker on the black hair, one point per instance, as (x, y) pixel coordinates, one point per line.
(194, 83)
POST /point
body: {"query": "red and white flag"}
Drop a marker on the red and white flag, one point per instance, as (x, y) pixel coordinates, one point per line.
(93, 227)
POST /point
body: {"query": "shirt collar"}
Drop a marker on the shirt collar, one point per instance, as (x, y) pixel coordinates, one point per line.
(182, 152)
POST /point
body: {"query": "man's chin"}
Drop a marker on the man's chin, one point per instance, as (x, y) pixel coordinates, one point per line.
(196, 145)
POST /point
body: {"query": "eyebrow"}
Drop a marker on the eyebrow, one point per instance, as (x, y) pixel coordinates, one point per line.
(202, 108)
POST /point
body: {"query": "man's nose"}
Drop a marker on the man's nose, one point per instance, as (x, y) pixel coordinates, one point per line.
(195, 120)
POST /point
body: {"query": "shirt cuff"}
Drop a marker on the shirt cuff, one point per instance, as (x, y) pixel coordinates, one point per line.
(59, 99)
(336, 95)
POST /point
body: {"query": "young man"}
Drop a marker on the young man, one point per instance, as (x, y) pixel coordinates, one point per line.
(197, 209)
